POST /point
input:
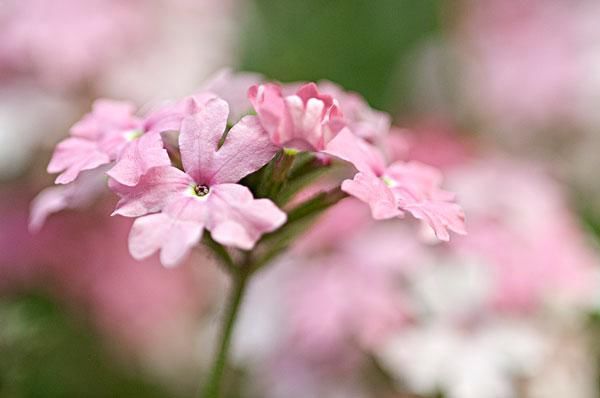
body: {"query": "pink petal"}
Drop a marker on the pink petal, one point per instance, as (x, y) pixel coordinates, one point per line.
(174, 238)
(106, 115)
(232, 87)
(78, 193)
(237, 219)
(416, 187)
(364, 156)
(440, 215)
(73, 156)
(170, 116)
(138, 157)
(246, 149)
(154, 191)
(199, 138)
(372, 190)
(270, 108)
(418, 177)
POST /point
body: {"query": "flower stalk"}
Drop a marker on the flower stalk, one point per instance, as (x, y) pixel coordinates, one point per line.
(213, 387)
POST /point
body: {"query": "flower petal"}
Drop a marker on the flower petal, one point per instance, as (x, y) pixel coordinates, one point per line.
(78, 193)
(372, 190)
(237, 219)
(270, 108)
(440, 215)
(200, 136)
(169, 116)
(138, 157)
(417, 190)
(364, 156)
(232, 86)
(74, 155)
(106, 116)
(154, 191)
(246, 149)
(173, 237)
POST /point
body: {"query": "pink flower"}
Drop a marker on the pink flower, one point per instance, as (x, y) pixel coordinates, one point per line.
(549, 258)
(140, 154)
(307, 120)
(233, 86)
(363, 120)
(111, 132)
(95, 140)
(78, 193)
(177, 206)
(401, 186)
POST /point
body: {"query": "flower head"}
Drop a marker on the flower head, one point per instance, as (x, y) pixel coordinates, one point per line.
(175, 205)
(306, 120)
(393, 189)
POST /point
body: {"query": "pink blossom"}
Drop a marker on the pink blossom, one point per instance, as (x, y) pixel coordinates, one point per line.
(178, 205)
(78, 193)
(111, 132)
(306, 120)
(233, 87)
(66, 42)
(548, 256)
(364, 121)
(95, 140)
(393, 189)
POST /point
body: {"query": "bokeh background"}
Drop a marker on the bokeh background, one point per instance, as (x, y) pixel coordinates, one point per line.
(502, 95)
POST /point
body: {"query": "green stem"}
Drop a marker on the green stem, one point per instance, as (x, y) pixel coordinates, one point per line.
(212, 389)
(282, 167)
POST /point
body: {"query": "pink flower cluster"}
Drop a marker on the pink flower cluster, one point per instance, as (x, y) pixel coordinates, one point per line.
(179, 169)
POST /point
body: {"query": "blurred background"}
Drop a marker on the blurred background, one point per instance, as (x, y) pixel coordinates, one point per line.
(502, 95)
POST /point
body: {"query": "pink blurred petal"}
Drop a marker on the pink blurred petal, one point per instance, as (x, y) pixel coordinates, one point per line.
(78, 193)
(233, 87)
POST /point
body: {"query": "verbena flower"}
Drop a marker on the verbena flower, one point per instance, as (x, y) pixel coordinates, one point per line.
(175, 206)
(390, 190)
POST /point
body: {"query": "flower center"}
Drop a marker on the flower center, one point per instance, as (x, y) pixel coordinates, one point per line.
(201, 190)
(389, 181)
(133, 135)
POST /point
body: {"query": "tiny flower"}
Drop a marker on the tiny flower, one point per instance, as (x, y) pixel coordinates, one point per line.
(392, 190)
(304, 121)
(175, 206)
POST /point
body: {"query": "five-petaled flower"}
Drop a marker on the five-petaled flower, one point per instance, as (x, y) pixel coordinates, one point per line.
(175, 206)
(401, 186)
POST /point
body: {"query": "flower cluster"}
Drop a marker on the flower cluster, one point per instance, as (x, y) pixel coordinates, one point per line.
(195, 165)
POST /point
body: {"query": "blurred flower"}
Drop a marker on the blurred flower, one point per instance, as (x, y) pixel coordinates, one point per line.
(64, 43)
